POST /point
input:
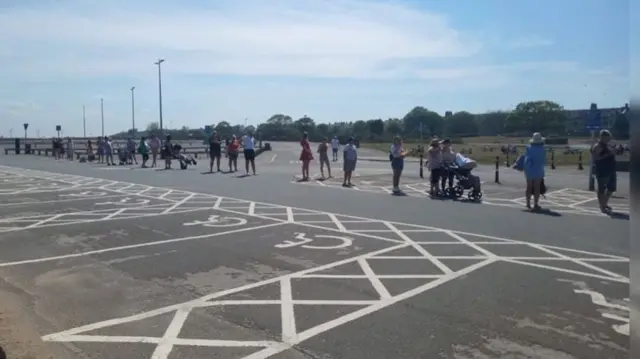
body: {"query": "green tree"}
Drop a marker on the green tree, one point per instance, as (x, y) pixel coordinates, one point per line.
(359, 129)
(491, 123)
(376, 128)
(305, 124)
(536, 116)
(153, 126)
(393, 127)
(224, 129)
(432, 122)
(461, 124)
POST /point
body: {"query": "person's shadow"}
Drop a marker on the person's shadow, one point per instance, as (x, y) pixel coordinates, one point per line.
(615, 215)
(543, 211)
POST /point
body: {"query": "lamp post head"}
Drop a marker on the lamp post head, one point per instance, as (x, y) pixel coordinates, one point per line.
(158, 62)
(133, 88)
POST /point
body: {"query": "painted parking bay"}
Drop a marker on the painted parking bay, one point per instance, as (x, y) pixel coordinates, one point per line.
(316, 289)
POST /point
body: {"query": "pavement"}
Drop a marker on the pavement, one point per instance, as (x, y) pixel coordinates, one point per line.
(123, 262)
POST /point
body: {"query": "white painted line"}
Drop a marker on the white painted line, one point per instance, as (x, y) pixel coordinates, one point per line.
(289, 332)
(576, 261)
(252, 208)
(165, 345)
(337, 222)
(371, 275)
(290, 217)
(557, 269)
(418, 247)
(273, 158)
(147, 244)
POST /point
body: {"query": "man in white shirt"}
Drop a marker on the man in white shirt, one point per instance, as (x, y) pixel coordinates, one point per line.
(349, 162)
(335, 145)
(248, 144)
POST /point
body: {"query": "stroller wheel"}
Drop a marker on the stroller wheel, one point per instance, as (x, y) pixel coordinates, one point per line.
(458, 191)
(474, 196)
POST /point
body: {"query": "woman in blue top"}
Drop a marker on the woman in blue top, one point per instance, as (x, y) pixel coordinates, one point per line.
(534, 161)
(397, 154)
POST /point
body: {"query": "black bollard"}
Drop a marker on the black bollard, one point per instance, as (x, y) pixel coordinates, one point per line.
(421, 164)
(497, 179)
(580, 161)
(506, 162)
(553, 159)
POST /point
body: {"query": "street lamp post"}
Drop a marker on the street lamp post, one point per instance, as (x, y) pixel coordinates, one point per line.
(102, 115)
(133, 112)
(159, 63)
(84, 123)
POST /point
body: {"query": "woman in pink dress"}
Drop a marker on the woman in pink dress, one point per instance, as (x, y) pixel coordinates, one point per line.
(306, 156)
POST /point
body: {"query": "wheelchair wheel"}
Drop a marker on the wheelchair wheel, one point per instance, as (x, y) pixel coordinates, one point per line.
(474, 196)
(458, 191)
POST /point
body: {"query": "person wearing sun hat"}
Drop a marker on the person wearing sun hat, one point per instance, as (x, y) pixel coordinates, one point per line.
(534, 162)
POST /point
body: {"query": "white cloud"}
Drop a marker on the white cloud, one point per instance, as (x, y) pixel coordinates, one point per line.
(329, 38)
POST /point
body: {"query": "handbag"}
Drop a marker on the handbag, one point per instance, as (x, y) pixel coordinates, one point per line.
(518, 165)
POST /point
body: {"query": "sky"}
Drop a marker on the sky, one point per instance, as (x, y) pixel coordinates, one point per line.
(332, 60)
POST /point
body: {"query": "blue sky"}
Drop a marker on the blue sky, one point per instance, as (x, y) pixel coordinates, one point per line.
(333, 60)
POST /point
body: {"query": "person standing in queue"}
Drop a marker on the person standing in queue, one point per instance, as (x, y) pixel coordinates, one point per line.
(215, 151)
(232, 152)
(335, 145)
(604, 160)
(534, 162)
(306, 156)
(323, 149)
(167, 152)
(350, 154)
(434, 164)
(143, 150)
(154, 145)
(397, 153)
(248, 144)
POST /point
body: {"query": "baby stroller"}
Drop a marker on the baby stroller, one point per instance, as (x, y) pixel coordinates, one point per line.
(184, 160)
(464, 181)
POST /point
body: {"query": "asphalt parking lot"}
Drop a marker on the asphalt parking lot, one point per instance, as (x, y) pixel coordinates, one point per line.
(122, 270)
(561, 200)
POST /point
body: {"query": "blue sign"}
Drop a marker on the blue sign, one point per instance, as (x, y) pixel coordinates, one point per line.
(594, 120)
(208, 129)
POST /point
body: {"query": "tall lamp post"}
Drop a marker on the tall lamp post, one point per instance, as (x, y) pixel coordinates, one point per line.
(159, 63)
(102, 115)
(133, 112)
(84, 123)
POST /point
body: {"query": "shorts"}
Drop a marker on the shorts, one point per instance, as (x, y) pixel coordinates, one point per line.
(607, 183)
(436, 173)
(397, 163)
(249, 154)
(215, 152)
(233, 156)
(335, 150)
(349, 165)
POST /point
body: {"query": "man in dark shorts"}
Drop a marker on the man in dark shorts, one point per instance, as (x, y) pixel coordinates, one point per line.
(248, 144)
(604, 162)
(215, 151)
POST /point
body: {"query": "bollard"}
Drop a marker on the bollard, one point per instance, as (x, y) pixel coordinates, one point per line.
(580, 161)
(506, 162)
(497, 179)
(553, 159)
(421, 164)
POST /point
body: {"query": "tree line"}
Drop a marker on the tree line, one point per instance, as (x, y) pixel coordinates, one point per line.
(546, 117)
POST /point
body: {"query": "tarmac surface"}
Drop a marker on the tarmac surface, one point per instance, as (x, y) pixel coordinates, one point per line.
(139, 263)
